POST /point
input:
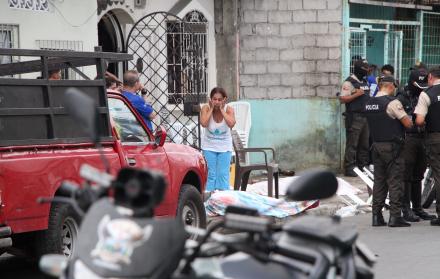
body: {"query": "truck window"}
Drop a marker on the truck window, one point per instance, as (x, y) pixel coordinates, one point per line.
(127, 126)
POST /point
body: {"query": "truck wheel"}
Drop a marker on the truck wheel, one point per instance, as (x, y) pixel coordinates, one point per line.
(191, 208)
(62, 233)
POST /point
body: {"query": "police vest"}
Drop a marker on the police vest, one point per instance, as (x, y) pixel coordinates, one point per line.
(358, 104)
(433, 116)
(382, 127)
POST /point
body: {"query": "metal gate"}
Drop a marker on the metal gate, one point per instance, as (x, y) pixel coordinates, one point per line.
(393, 51)
(173, 71)
(357, 45)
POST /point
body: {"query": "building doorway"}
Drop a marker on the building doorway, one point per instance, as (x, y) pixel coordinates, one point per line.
(111, 39)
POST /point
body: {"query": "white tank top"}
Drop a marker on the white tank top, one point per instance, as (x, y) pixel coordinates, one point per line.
(217, 136)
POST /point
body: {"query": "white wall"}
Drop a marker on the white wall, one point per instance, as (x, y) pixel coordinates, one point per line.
(66, 20)
(76, 20)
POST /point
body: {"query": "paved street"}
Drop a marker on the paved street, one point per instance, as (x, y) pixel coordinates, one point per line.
(403, 252)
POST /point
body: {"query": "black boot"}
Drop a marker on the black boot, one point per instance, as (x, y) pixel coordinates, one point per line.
(378, 220)
(397, 222)
(423, 214)
(350, 173)
(409, 215)
(435, 222)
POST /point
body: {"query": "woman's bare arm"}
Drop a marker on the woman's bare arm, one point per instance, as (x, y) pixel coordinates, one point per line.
(205, 114)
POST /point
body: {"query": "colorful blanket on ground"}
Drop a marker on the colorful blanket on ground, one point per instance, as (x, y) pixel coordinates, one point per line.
(217, 203)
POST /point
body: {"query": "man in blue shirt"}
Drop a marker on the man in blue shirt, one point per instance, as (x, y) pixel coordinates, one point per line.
(131, 86)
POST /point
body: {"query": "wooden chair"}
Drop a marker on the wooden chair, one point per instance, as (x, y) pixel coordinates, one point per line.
(243, 169)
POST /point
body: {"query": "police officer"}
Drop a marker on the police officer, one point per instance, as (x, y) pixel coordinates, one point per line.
(414, 151)
(354, 94)
(386, 120)
(428, 109)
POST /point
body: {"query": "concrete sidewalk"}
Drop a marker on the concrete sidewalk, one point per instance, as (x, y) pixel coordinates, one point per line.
(328, 207)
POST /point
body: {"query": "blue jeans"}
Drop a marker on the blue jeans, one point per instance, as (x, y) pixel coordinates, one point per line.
(218, 170)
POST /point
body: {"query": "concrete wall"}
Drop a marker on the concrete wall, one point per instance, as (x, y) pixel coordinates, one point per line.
(291, 50)
(226, 37)
(304, 132)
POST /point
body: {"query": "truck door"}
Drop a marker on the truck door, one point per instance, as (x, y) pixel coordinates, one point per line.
(139, 147)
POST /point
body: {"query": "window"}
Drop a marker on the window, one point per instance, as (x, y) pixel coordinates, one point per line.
(187, 57)
(33, 5)
(8, 39)
(127, 126)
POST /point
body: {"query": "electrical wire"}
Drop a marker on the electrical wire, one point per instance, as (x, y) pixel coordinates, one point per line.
(67, 21)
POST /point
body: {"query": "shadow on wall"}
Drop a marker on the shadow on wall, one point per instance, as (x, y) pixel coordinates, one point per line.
(305, 132)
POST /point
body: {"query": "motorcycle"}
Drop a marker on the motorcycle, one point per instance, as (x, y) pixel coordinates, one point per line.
(119, 238)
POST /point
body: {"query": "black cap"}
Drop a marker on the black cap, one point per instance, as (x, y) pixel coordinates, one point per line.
(361, 63)
(388, 78)
(419, 78)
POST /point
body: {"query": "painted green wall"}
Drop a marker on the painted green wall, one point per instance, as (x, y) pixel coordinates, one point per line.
(305, 132)
(375, 48)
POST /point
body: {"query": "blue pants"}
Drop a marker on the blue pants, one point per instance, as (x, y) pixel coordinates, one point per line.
(218, 170)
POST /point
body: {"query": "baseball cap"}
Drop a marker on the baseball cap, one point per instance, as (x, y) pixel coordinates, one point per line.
(387, 78)
(361, 63)
(419, 77)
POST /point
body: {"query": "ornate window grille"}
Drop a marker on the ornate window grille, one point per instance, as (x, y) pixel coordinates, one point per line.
(179, 43)
(34, 5)
(8, 39)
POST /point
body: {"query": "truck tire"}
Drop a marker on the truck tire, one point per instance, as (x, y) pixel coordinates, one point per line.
(190, 207)
(61, 234)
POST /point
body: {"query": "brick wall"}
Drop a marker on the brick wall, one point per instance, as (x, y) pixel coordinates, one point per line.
(290, 48)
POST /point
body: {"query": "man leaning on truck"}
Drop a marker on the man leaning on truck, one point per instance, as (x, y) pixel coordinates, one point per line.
(132, 85)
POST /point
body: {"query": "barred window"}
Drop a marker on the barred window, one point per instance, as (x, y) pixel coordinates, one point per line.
(62, 45)
(187, 46)
(8, 39)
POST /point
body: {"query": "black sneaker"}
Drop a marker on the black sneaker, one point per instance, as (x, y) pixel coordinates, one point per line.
(435, 222)
(409, 215)
(397, 222)
(423, 214)
(350, 173)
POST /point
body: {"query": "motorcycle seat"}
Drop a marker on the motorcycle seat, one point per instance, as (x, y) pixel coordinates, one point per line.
(323, 229)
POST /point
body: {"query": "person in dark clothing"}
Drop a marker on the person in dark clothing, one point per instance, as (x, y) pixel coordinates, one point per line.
(414, 150)
(428, 110)
(354, 94)
(387, 120)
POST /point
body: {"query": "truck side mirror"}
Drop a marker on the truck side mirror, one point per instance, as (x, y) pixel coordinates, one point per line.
(160, 136)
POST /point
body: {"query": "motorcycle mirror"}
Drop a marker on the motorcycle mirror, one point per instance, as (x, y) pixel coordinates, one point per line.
(53, 264)
(139, 65)
(315, 184)
(83, 109)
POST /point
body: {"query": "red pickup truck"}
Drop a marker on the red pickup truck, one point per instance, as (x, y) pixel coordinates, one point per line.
(41, 146)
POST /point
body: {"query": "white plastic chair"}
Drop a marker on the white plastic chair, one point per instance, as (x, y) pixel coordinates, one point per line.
(243, 123)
